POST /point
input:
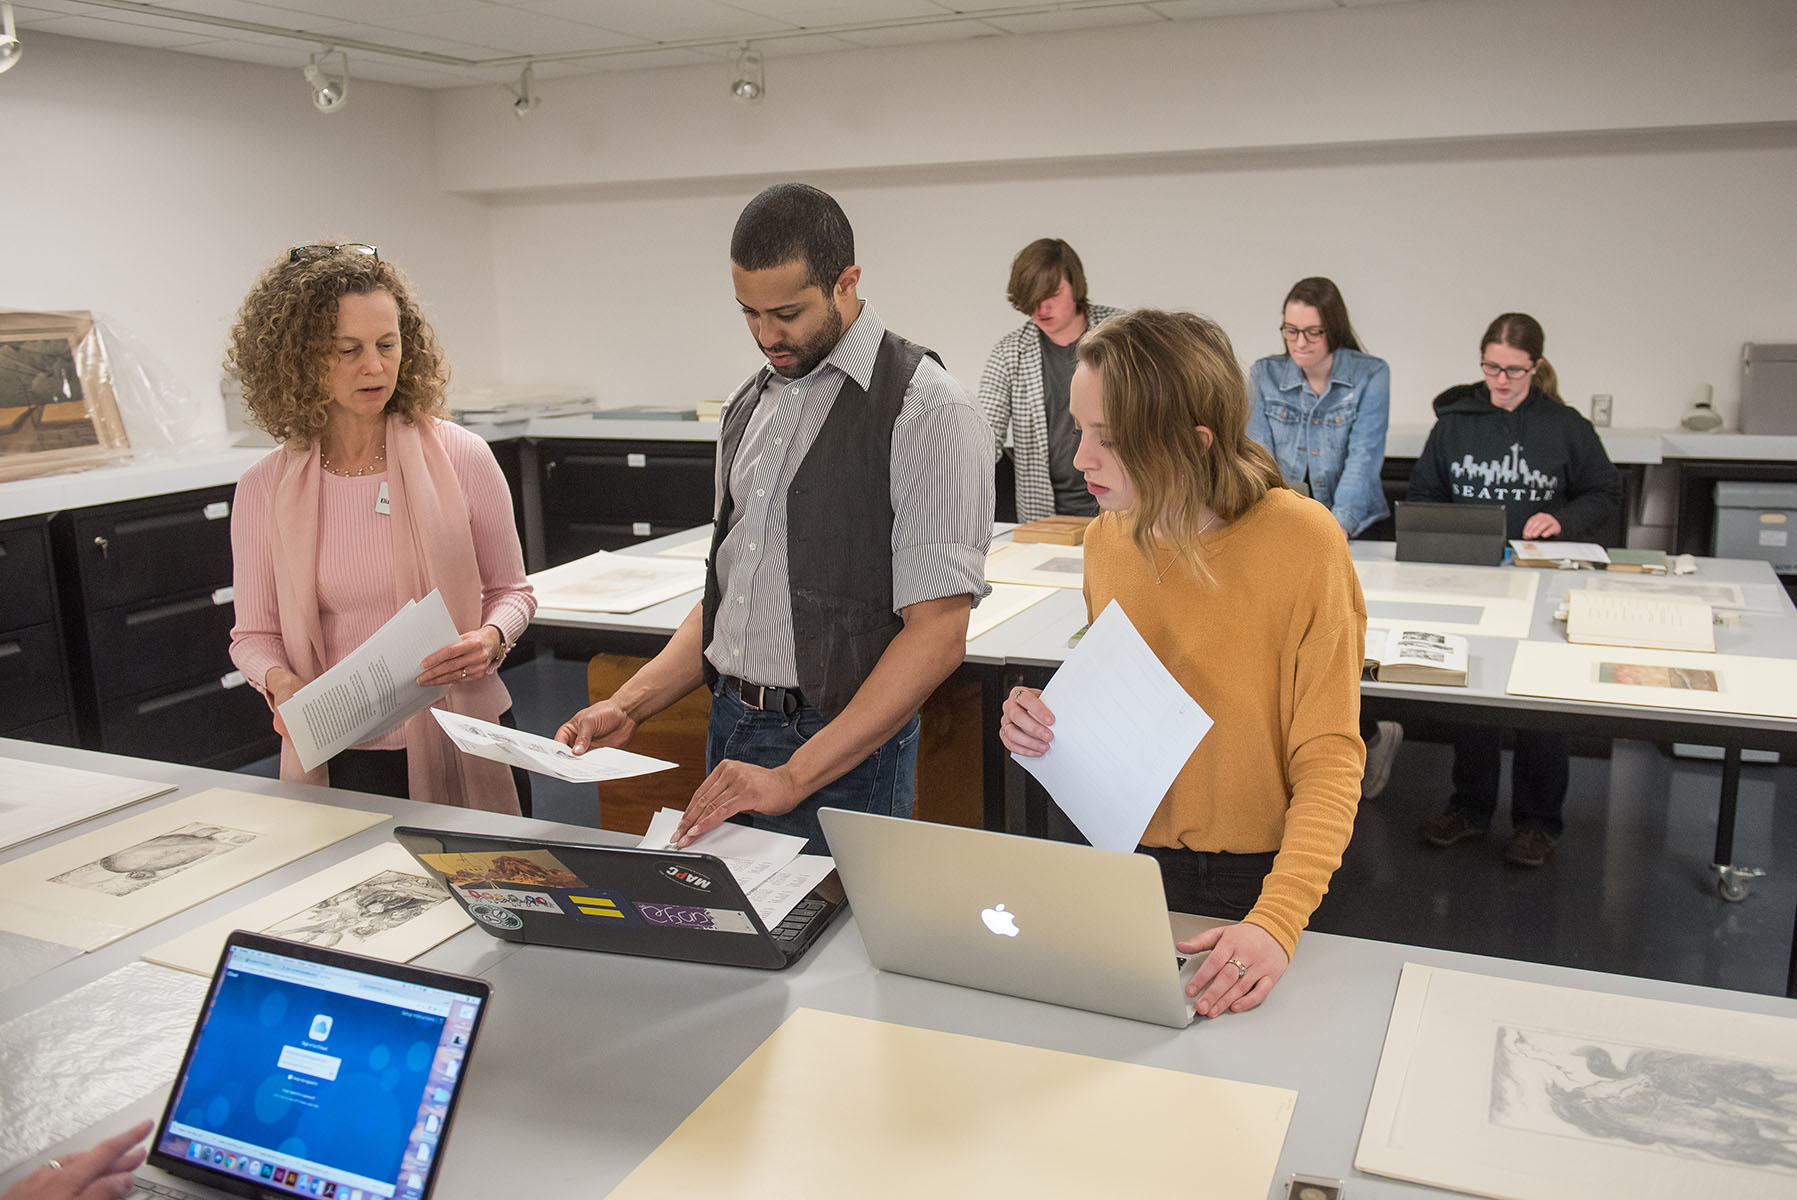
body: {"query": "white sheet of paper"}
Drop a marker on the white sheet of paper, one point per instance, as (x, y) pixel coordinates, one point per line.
(1497, 601)
(1563, 551)
(546, 756)
(40, 798)
(1042, 564)
(697, 546)
(781, 892)
(1005, 602)
(1123, 729)
(753, 855)
(1729, 683)
(616, 583)
(373, 689)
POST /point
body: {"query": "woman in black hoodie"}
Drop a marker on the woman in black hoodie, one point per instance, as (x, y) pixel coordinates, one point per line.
(1511, 441)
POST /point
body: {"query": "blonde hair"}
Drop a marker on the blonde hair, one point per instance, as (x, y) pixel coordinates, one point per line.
(1163, 374)
(286, 332)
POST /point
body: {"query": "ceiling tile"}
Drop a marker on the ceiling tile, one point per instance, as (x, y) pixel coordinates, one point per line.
(791, 47)
(907, 35)
(512, 30)
(375, 12)
(839, 12)
(405, 40)
(1077, 18)
(125, 33)
(288, 54)
(660, 20)
(1185, 10)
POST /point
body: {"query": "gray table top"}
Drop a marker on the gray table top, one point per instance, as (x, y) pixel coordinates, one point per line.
(589, 1060)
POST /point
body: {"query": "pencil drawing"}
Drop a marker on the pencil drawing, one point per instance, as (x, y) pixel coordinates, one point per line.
(348, 919)
(1674, 1102)
(161, 857)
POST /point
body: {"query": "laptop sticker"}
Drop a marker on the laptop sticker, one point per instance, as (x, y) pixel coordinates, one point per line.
(605, 908)
(527, 868)
(679, 916)
(687, 876)
(517, 899)
(498, 918)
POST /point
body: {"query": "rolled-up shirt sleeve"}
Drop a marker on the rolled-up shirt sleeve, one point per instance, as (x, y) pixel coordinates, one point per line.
(941, 492)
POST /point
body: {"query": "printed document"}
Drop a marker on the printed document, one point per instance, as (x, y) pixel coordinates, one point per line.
(40, 798)
(1123, 729)
(616, 583)
(546, 756)
(753, 855)
(372, 690)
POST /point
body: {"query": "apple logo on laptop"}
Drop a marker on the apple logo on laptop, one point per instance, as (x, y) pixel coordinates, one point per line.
(999, 921)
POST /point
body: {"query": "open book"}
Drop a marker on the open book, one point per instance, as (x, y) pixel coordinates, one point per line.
(1602, 618)
(1415, 656)
(1551, 554)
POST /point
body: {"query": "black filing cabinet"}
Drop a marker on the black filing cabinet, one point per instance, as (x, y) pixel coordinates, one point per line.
(148, 589)
(605, 494)
(34, 684)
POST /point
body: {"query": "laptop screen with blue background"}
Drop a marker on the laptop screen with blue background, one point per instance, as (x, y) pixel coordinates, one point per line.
(320, 1080)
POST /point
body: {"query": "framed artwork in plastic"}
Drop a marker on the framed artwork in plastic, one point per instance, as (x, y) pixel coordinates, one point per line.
(57, 407)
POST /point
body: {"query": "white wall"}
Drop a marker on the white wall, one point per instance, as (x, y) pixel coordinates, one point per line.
(153, 187)
(1621, 168)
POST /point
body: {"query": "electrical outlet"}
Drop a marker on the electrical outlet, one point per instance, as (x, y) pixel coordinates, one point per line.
(1600, 410)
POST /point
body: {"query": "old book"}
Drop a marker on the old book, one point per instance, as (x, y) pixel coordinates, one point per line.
(1551, 554)
(1059, 531)
(1415, 656)
(1596, 618)
(1638, 562)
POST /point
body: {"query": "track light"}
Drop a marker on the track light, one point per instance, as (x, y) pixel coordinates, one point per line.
(526, 93)
(10, 50)
(751, 80)
(329, 92)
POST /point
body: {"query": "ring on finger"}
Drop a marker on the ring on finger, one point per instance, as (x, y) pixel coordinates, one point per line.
(55, 1164)
(1241, 968)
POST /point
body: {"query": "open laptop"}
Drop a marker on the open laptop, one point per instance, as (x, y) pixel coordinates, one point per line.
(1054, 921)
(313, 1072)
(1429, 531)
(622, 900)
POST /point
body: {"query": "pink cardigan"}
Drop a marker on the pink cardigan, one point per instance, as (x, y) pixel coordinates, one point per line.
(317, 570)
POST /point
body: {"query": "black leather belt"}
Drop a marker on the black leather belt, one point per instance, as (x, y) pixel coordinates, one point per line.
(786, 701)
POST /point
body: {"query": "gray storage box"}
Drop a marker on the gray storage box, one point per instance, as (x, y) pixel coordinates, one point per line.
(1769, 387)
(1758, 520)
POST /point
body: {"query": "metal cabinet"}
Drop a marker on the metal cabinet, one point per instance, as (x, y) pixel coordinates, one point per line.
(34, 685)
(605, 495)
(148, 585)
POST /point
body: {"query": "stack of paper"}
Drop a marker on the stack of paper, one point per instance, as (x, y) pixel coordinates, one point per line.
(616, 583)
(1558, 554)
(768, 865)
(1596, 618)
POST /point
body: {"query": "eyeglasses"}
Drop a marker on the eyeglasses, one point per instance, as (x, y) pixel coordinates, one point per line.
(1492, 371)
(313, 253)
(1292, 333)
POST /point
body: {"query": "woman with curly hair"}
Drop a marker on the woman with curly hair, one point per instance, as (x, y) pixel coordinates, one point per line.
(1245, 591)
(373, 500)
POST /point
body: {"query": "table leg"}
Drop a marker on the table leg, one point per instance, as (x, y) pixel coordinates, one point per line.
(1725, 813)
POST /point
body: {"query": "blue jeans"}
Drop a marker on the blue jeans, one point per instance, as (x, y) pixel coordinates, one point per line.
(1539, 771)
(885, 782)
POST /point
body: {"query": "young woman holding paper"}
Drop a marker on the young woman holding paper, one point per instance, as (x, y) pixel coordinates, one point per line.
(1245, 592)
(373, 501)
(1511, 440)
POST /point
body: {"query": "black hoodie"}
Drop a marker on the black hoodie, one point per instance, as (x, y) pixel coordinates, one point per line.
(1542, 457)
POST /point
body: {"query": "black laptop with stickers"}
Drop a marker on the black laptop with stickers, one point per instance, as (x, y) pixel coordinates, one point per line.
(622, 900)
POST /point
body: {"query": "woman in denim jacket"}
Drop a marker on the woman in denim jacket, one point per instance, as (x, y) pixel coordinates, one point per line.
(1322, 408)
(1323, 405)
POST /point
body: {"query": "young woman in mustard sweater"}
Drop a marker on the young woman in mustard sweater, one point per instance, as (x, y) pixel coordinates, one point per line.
(1245, 591)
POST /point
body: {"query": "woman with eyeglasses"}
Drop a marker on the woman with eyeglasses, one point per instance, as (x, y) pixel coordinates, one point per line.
(373, 500)
(1245, 591)
(1511, 440)
(1322, 407)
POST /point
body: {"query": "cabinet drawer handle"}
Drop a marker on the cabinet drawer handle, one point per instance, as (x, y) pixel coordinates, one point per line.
(8, 649)
(103, 544)
(636, 460)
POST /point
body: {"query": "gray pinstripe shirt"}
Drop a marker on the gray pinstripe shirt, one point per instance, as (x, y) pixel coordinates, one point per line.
(941, 500)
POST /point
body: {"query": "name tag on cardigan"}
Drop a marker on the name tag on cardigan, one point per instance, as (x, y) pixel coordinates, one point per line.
(381, 504)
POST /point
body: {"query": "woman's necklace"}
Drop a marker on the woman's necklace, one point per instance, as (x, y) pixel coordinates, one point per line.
(379, 464)
(1162, 573)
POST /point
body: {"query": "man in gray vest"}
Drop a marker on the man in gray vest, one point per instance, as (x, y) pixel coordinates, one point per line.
(854, 509)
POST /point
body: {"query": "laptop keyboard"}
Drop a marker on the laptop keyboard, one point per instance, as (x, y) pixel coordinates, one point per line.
(788, 931)
(146, 1190)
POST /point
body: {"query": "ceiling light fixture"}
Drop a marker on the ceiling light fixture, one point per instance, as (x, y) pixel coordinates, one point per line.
(10, 50)
(751, 79)
(329, 92)
(526, 92)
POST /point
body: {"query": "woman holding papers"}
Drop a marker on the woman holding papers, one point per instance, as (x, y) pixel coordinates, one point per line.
(1510, 440)
(372, 502)
(1245, 592)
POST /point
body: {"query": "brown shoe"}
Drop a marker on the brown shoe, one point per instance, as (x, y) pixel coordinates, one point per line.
(1528, 847)
(1448, 826)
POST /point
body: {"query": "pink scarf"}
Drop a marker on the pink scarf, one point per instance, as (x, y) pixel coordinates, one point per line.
(432, 548)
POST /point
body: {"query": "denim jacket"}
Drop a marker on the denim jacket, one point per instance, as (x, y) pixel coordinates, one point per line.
(1339, 437)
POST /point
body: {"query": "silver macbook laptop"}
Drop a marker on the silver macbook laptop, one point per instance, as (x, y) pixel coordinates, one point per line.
(1044, 920)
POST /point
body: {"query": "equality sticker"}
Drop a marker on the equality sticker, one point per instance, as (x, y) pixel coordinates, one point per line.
(516, 899)
(498, 918)
(603, 908)
(679, 916)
